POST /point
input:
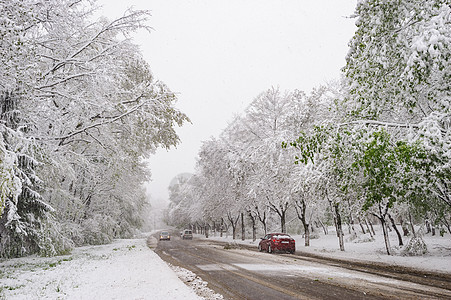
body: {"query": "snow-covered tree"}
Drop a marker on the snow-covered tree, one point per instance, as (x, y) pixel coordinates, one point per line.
(398, 72)
(89, 112)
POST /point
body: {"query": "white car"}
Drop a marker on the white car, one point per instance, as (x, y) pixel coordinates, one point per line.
(187, 234)
(164, 235)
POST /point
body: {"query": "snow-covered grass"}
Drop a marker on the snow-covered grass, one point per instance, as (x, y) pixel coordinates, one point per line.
(363, 248)
(125, 269)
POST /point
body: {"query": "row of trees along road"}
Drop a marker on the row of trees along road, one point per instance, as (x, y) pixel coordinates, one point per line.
(79, 112)
(375, 145)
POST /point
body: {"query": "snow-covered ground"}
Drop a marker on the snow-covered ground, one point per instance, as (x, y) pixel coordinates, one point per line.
(125, 269)
(128, 269)
(438, 257)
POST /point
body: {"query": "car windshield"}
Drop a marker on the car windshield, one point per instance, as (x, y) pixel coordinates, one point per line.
(187, 231)
(165, 233)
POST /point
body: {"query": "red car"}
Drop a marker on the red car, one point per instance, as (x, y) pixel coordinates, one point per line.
(277, 242)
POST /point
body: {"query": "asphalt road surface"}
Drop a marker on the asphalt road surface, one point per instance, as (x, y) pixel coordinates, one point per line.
(245, 273)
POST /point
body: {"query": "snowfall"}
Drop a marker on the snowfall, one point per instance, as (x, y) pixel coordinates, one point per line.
(129, 268)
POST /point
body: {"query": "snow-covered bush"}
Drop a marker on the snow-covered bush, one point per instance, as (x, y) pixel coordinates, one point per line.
(363, 238)
(352, 237)
(98, 229)
(415, 247)
(52, 242)
(314, 235)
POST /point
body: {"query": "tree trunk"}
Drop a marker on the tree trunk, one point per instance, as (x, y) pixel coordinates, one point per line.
(264, 226)
(243, 229)
(334, 217)
(225, 228)
(446, 223)
(386, 239)
(361, 225)
(350, 219)
(368, 227)
(411, 226)
(283, 221)
(254, 228)
(262, 219)
(371, 226)
(281, 210)
(301, 208)
(336, 224)
(428, 226)
(381, 218)
(307, 235)
(339, 228)
(234, 223)
(324, 227)
(396, 230)
(405, 230)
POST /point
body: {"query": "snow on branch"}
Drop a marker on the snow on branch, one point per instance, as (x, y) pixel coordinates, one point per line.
(380, 123)
(64, 80)
(131, 21)
(105, 122)
(386, 124)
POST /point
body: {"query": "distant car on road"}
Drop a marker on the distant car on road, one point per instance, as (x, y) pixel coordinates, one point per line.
(164, 235)
(277, 242)
(187, 234)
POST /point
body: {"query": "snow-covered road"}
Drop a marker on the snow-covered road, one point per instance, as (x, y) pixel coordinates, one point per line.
(241, 272)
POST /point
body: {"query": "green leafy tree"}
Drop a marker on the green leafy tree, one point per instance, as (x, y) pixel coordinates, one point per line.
(398, 74)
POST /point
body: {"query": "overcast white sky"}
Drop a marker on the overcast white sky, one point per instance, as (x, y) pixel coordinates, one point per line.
(219, 55)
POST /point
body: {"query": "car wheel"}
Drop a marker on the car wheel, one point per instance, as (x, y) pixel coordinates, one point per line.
(260, 248)
(269, 249)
